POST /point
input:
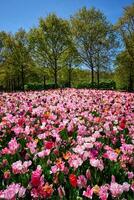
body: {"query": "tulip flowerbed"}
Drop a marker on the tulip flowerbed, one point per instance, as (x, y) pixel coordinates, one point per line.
(70, 144)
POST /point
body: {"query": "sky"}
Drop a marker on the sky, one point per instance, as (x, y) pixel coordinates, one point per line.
(15, 14)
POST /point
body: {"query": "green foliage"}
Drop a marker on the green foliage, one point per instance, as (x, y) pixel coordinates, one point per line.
(94, 38)
(64, 135)
(125, 27)
(124, 74)
(103, 85)
(49, 41)
(16, 59)
(34, 86)
(107, 85)
(57, 51)
(38, 86)
(86, 85)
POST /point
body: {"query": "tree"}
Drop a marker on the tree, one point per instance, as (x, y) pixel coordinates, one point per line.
(2, 36)
(24, 60)
(70, 60)
(49, 41)
(125, 71)
(125, 26)
(2, 70)
(125, 59)
(6, 58)
(106, 50)
(91, 31)
(16, 59)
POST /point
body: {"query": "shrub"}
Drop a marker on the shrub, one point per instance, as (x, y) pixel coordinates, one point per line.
(39, 86)
(103, 85)
(86, 85)
(34, 86)
(107, 85)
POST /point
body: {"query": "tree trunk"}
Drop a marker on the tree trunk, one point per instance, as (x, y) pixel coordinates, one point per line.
(14, 81)
(22, 78)
(98, 76)
(18, 83)
(6, 86)
(70, 75)
(55, 78)
(55, 73)
(12, 85)
(9, 85)
(44, 82)
(92, 76)
(130, 84)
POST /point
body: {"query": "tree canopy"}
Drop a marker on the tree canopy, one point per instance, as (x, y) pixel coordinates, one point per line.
(60, 51)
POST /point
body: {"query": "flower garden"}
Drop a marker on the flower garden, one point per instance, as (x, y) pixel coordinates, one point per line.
(67, 144)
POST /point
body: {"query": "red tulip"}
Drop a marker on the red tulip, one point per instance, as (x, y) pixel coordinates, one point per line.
(73, 180)
(122, 125)
(49, 145)
(36, 178)
(21, 121)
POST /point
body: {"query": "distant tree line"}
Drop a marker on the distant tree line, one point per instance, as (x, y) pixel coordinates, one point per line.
(59, 52)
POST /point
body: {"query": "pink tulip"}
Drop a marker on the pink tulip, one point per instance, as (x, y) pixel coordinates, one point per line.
(88, 193)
